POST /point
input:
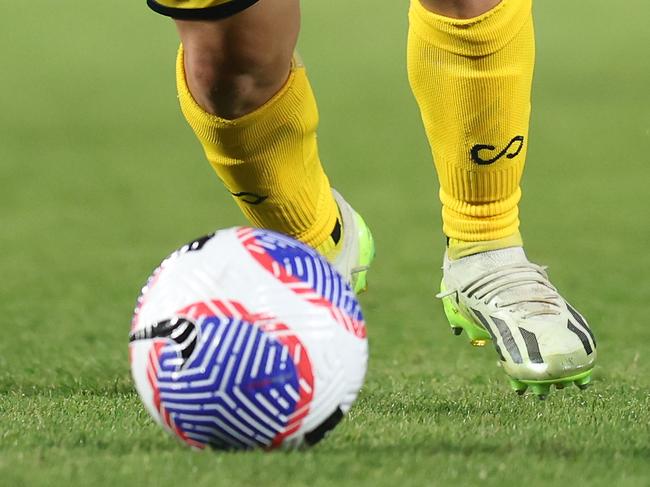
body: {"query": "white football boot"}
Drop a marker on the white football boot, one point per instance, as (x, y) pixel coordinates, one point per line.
(357, 249)
(541, 339)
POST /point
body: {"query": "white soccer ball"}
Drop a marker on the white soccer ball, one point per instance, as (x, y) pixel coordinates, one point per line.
(247, 338)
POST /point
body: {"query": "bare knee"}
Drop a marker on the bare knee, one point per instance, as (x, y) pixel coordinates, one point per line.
(233, 67)
(460, 9)
(232, 80)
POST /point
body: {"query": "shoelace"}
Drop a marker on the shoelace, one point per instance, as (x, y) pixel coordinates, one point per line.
(493, 283)
(361, 268)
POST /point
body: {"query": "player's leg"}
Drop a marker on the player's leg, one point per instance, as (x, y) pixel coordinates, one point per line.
(256, 116)
(470, 66)
(251, 106)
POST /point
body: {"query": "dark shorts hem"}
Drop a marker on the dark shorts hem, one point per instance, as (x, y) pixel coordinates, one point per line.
(217, 12)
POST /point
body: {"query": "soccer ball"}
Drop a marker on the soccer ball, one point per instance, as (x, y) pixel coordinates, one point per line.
(247, 338)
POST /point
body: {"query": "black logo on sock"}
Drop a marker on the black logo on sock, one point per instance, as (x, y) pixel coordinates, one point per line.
(250, 198)
(517, 142)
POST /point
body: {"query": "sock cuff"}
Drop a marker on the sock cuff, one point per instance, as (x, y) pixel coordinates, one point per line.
(478, 36)
(474, 222)
(255, 126)
(457, 249)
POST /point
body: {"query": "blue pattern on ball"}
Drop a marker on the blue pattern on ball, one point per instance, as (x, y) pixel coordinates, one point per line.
(237, 390)
(304, 263)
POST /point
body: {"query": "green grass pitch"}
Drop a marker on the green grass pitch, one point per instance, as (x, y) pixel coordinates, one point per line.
(101, 178)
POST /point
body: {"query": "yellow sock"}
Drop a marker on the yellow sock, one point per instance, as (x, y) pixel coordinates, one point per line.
(269, 161)
(472, 80)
